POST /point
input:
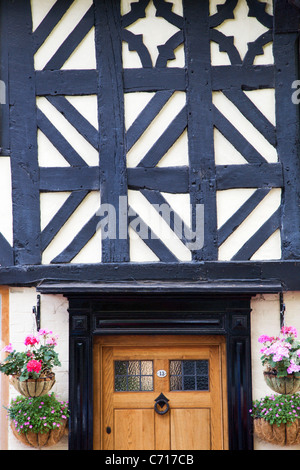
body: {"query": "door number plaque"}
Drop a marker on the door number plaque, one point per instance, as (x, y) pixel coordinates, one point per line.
(161, 373)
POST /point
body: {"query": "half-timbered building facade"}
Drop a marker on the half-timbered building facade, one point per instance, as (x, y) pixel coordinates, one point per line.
(150, 185)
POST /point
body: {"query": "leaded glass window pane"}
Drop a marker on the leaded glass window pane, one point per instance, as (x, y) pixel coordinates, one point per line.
(133, 376)
(189, 375)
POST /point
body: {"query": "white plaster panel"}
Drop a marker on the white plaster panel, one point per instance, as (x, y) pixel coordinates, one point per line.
(213, 6)
(229, 201)
(87, 105)
(88, 153)
(84, 56)
(88, 207)
(243, 28)
(271, 249)
(48, 155)
(264, 100)
(225, 152)
(178, 154)
(267, 57)
(50, 203)
(162, 230)
(6, 221)
(39, 11)
(155, 31)
(245, 127)
(134, 103)
(226, 201)
(138, 250)
(218, 57)
(91, 252)
(69, 21)
(180, 203)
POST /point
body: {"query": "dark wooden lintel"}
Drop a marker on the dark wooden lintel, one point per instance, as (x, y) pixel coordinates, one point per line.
(148, 287)
(285, 273)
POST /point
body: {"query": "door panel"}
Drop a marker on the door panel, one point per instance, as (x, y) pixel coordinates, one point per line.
(134, 429)
(190, 429)
(131, 373)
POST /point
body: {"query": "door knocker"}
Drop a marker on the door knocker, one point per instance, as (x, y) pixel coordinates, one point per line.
(160, 402)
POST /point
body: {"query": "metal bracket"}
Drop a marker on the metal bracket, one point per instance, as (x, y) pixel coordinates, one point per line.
(36, 310)
(282, 310)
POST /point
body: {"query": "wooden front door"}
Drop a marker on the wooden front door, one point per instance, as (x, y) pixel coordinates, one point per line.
(160, 393)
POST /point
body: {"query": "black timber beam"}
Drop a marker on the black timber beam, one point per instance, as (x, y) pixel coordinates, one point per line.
(112, 151)
(284, 273)
(4, 107)
(171, 180)
(23, 134)
(295, 3)
(84, 82)
(285, 47)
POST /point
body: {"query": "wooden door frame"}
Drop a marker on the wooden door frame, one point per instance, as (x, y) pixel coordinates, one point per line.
(162, 341)
(93, 314)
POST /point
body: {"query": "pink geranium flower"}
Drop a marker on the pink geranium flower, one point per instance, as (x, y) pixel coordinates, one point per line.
(281, 353)
(34, 366)
(31, 340)
(264, 339)
(44, 332)
(8, 348)
(289, 330)
(52, 340)
(293, 368)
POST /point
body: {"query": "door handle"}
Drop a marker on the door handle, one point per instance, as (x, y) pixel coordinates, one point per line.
(161, 401)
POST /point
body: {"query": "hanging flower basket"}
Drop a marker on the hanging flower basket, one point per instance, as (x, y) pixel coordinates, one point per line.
(276, 419)
(281, 359)
(46, 439)
(30, 371)
(282, 435)
(283, 385)
(33, 387)
(39, 421)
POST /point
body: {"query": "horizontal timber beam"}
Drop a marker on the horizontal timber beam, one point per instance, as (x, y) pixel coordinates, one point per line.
(84, 82)
(171, 179)
(69, 178)
(284, 273)
(249, 176)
